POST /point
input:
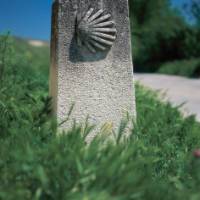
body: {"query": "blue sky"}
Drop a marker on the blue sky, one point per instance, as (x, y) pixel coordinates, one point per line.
(32, 18)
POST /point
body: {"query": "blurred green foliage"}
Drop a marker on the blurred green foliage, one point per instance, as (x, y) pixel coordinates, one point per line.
(36, 163)
(23, 84)
(188, 68)
(160, 34)
(194, 8)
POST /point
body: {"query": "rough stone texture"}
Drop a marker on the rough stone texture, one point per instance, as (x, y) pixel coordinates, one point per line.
(100, 84)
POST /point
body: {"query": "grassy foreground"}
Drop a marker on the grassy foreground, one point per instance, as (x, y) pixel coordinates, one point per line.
(155, 163)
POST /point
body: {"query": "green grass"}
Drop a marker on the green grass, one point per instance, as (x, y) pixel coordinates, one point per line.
(155, 163)
(189, 68)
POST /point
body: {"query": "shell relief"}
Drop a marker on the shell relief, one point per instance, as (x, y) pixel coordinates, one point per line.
(96, 31)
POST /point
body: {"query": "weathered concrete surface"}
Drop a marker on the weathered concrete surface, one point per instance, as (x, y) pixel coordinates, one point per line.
(100, 84)
(178, 90)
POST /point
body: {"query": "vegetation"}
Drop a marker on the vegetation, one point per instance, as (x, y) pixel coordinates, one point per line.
(162, 35)
(189, 68)
(35, 163)
(193, 7)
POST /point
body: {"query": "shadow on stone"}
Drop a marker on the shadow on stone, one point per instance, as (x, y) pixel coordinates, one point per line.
(82, 54)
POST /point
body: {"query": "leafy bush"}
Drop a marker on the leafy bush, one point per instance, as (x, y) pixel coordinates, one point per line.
(193, 7)
(188, 68)
(160, 34)
(36, 163)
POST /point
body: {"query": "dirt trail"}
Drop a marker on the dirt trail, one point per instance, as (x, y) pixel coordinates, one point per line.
(178, 90)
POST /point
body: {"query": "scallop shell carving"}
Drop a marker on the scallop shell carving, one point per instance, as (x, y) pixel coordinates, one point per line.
(96, 31)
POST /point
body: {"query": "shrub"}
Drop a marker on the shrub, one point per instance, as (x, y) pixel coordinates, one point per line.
(160, 34)
(188, 68)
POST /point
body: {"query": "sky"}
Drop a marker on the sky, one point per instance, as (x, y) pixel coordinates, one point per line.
(31, 19)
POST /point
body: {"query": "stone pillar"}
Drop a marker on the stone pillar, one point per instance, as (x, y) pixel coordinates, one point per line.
(91, 61)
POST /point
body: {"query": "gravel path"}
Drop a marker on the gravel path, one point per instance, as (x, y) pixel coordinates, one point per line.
(178, 90)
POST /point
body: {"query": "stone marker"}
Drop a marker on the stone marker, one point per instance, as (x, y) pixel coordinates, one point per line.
(91, 61)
